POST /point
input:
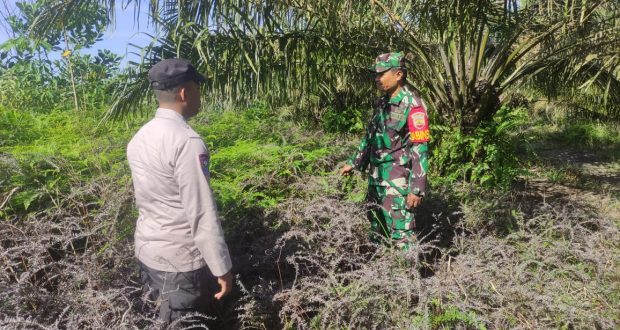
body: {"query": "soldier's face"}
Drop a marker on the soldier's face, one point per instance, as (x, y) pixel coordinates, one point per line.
(388, 80)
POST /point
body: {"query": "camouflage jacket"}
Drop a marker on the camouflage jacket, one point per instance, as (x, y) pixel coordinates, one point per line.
(395, 145)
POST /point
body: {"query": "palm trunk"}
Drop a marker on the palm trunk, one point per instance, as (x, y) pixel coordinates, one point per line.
(75, 97)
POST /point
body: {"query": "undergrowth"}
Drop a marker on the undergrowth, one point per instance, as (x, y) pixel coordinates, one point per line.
(487, 156)
(603, 137)
(486, 259)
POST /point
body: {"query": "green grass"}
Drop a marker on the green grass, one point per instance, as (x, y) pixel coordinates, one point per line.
(584, 134)
(566, 175)
(44, 153)
(256, 155)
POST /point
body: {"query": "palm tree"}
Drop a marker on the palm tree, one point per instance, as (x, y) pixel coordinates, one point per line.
(311, 54)
(464, 54)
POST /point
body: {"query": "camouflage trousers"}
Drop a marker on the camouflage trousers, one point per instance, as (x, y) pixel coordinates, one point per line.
(389, 216)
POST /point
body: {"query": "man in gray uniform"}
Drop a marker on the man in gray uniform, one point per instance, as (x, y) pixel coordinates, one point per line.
(178, 240)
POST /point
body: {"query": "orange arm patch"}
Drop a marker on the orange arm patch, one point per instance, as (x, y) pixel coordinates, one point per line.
(417, 121)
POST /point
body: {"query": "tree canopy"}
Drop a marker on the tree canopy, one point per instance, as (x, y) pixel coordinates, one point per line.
(312, 54)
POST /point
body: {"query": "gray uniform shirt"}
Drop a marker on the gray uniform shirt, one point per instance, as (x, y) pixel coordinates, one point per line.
(178, 229)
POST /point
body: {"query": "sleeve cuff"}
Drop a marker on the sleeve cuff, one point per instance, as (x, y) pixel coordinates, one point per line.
(221, 266)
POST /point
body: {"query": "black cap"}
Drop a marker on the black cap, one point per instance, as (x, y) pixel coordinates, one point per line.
(172, 72)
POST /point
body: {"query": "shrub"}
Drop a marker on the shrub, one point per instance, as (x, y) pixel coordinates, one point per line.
(344, 121)
(486, 156)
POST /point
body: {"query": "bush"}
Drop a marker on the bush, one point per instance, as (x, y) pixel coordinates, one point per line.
(486, 156)
(347, 121)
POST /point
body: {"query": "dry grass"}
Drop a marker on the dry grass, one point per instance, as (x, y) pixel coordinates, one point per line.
(485, 260)
(556, 268)
(71, 266)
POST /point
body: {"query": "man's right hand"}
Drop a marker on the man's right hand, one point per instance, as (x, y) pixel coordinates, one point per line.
(346, 170)
(226, 283)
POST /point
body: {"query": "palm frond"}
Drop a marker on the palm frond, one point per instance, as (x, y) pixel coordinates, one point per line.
(304, 53)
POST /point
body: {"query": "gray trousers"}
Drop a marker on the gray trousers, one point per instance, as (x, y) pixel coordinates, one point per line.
(180, 293)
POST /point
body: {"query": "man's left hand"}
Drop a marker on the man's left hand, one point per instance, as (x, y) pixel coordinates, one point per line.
(226, 282)
(413, 201)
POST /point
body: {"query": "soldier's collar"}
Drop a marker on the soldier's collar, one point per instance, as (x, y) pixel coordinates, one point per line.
(170, 114)
(399, 97)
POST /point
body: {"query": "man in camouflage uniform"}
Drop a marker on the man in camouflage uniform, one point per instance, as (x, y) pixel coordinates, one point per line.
(395, 149)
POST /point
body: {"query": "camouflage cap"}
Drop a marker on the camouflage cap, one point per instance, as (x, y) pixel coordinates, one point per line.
(387, 61)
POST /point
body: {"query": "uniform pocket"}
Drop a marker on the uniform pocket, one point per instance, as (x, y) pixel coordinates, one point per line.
(185, 300)
(402, 216)
(396, 126)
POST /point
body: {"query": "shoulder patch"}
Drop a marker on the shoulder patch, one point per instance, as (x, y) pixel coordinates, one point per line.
(203, 159)
(418, 125)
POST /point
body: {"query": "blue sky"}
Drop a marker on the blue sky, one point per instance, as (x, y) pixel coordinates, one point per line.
(117, 38)
(125, 32)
